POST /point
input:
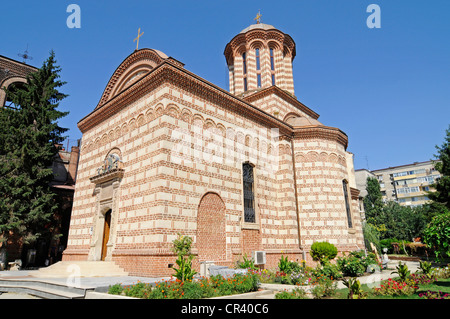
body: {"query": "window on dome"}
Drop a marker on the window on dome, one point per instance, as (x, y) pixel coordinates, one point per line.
(258, 64)
(272, 62)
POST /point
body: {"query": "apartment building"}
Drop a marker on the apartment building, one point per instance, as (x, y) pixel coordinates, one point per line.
(406, 184)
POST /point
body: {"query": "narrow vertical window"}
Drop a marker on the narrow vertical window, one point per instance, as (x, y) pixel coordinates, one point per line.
(259, 79)
(258, 64)
(244, 63)
(245, 84)
(273, 79)
(347, 203)
(249, 200)
(272, 63)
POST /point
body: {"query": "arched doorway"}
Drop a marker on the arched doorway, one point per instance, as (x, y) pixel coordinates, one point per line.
(106, 232)
(211, 237)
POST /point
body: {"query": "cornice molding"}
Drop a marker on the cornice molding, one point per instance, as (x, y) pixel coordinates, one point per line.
(246, 38)
(325, 132)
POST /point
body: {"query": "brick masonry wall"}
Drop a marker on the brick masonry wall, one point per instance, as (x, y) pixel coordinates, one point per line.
(176, 148)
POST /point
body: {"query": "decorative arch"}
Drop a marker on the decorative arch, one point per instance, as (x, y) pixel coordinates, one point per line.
(133, 68)
(186, 115)
(7, 83)
(291, 115)
(173, 110)
(211, 228)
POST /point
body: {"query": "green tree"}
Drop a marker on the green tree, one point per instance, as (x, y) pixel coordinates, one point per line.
(373, 201)
(437, 235)
(442, 185)
(402, 222)
(30, 133)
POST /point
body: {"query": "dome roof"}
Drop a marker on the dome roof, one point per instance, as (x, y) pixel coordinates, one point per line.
(303, 121)
(262, 26)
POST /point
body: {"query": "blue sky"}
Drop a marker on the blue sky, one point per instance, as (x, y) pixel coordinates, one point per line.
(388, 89)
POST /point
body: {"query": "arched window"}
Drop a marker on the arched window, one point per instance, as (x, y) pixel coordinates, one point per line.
(258, 68)
(272, 62)
(258, 64)
(347, 203)
(272, 65)
(244, 69)
(244, 63)
(249, 197)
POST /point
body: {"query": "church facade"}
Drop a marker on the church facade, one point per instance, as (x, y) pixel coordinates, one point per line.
(243, 172)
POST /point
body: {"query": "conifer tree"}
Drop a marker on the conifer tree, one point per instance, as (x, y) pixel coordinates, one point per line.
(29, 135)
(442, 185)
(373, 201)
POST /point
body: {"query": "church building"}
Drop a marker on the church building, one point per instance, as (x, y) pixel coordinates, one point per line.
(245, 172)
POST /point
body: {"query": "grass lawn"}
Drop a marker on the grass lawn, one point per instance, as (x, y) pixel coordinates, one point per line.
(439, 285)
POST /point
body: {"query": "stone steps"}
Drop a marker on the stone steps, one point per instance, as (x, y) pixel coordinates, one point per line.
(81, 269)
(43, 288)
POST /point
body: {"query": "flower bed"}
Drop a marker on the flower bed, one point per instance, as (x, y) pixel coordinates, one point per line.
(190, 289)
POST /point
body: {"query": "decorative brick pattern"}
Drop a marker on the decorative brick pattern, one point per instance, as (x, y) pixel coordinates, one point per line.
(182, 142)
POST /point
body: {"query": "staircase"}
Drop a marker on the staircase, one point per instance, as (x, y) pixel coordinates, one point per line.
(43, 288)
(44, 283)
(81, 269)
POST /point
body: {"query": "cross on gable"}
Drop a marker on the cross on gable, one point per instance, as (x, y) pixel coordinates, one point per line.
(137, 38)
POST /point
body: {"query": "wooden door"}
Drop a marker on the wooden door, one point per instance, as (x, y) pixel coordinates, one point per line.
(106, 234)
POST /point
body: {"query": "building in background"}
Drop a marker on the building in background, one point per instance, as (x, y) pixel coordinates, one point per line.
(12, 74)
(406, 184)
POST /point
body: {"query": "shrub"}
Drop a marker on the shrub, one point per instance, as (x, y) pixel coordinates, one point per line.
(437, 235)
(325, 287)
(296, 293)
(351, 266)
(402, 271)
(434, 295)
(391, 287)
(247, 263)
(286, 266)
(182, 247)
(116, 289)
(356, 263)
(354, 289)
(322, 251)
(442, 273)
(328, 270)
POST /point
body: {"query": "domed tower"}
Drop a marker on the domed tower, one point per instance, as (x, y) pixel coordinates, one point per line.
(258, 57)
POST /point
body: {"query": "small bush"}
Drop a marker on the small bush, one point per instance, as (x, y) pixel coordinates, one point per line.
(356, 263)
(324, 288)
(116, 289)
(296, 293)
(328, 270)
(392, 287)
(322, 251)
(287, 266)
